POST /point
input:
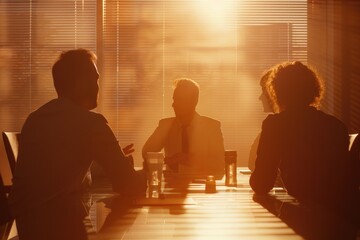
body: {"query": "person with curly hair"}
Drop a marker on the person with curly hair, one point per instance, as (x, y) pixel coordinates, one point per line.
(307, 146)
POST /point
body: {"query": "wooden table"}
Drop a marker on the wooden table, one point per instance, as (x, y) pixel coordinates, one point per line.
(230, 213)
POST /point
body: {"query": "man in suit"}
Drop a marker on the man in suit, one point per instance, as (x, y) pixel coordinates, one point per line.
(193, 144)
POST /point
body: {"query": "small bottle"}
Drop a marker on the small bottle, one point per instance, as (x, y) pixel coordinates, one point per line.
(230, 168)
(210, 186)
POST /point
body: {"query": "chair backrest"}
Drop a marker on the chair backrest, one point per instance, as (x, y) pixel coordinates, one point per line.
(352, 138)
(11, 144)
(355, 157)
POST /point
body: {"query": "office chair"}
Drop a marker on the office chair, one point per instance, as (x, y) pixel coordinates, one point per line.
(355, 156)
(11, 143)
(352, 137)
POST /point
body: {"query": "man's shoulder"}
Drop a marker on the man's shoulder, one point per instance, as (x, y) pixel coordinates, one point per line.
(97, 117)
(166, 121)
(62, 112)
(203, 120)
(209, 121)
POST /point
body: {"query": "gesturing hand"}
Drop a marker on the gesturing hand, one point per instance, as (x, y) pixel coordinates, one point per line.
(127, 152)
(128, 149)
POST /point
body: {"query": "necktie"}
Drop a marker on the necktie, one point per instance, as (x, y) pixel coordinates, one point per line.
(185, 139)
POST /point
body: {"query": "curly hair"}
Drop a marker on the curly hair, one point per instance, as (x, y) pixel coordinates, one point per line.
(265, 81)
(295, 84)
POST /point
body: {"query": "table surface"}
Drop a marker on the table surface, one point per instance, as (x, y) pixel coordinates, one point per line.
(230, 213)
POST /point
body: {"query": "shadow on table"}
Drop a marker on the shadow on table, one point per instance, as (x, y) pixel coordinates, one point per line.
(113, 216)
(183, 184)
(310, 223)
(119, 207)
(179, 186)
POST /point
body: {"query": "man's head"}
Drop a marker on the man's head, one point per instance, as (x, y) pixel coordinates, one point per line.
(185, 99)
(76, 77)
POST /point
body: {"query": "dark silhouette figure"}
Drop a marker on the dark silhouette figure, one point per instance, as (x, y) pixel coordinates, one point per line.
(268, 107)
(193, 144)
(308, 146)
(58, 143)
(311, 223)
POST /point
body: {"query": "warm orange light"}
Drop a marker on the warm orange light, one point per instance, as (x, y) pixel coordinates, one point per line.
(216, 13)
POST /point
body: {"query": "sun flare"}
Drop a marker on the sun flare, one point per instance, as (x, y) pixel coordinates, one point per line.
(216, 13)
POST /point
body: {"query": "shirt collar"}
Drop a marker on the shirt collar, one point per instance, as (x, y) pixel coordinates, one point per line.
(192, 123)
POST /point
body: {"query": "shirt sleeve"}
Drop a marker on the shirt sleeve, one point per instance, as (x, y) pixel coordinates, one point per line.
(108, 154)
(266, 166)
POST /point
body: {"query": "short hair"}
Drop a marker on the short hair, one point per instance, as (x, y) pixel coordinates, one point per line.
(69, 66)
(295, 84)
(189, 86)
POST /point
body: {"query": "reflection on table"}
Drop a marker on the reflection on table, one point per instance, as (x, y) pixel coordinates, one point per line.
(230, 213)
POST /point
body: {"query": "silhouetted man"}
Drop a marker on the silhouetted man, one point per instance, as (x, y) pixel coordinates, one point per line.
(59, 141)
(193, 144)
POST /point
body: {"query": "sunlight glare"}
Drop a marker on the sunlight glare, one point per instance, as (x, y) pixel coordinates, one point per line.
(216, 13)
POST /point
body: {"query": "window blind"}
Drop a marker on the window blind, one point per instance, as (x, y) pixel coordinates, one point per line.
(143, 46)
(335, 52)
(223, 45)
(32, 34)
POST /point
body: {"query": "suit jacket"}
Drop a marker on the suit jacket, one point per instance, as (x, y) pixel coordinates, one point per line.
(206, 145)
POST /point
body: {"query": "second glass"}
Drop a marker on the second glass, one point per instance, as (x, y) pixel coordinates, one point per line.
(155, 163)
(230, 168)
